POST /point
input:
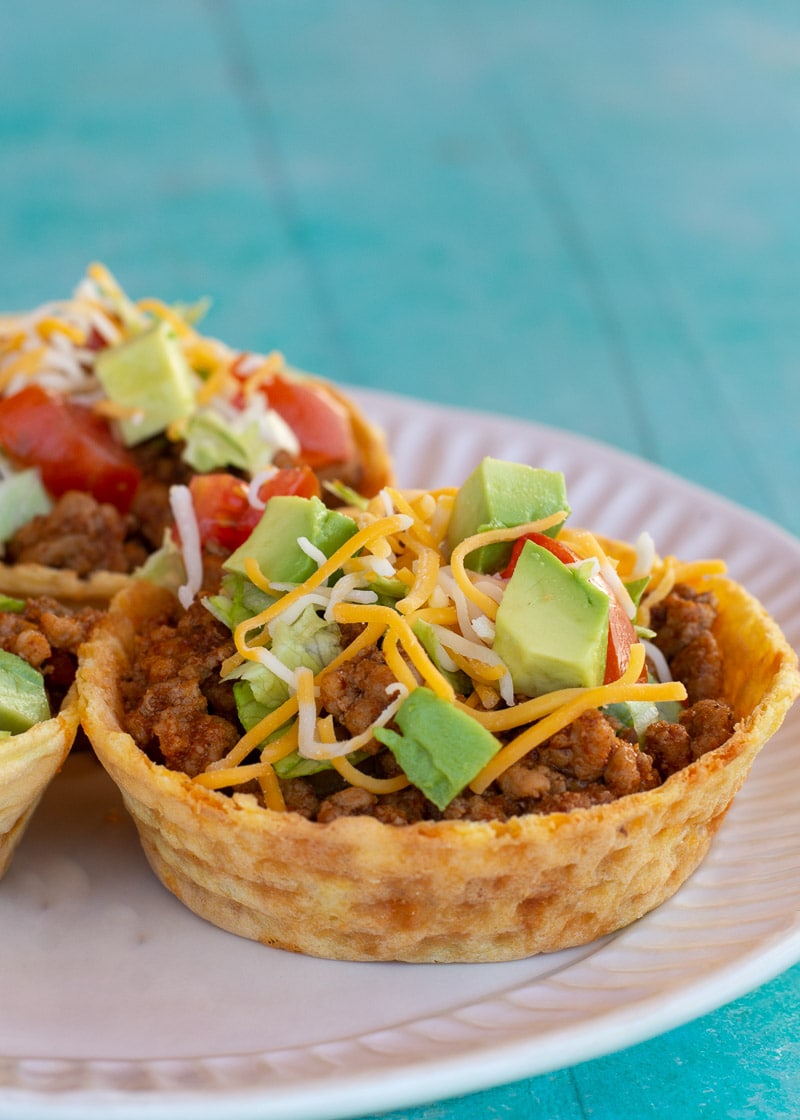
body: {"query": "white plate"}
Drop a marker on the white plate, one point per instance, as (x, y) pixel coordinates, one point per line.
(116, 1001)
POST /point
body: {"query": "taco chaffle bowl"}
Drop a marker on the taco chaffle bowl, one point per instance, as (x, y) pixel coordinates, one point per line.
(443, 886)
(105, 401)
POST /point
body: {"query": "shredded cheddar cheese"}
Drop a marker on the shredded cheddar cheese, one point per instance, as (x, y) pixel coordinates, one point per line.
(480, 540)
(400, 538)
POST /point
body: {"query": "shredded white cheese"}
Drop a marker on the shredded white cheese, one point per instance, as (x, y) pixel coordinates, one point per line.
(307, 743)
(658, 660)
(180, 500)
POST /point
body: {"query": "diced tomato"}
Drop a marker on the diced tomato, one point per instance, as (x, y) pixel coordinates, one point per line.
(621, 636)
(291, 480)
(561, 551)
(320, 422)
(621, 633)
(73, 447)
(95, 341)
(222, 506)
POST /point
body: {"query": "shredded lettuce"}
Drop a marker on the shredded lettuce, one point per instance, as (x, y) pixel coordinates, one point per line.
(238, 600)
(248, 439)
(636, 587)
(346, 494)
(164, 567)
(22, 497)
(309, 641)
(638, 714)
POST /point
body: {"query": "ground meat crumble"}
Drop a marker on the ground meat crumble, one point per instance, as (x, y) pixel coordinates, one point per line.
(182, 715)
(47, 634)
(85, 535)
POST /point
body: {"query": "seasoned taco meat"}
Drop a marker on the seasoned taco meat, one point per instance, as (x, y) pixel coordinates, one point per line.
(177, 708)
(355, 694)
(683, 622)
(181, 714)
(79, 533)
(47, 634)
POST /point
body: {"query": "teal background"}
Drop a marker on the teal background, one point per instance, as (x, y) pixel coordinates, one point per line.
(583, 213)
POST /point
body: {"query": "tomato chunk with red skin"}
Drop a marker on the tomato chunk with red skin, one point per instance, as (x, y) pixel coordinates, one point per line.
(73, 447)
(621, 636)
(320, 422)
(561, 551)
(621, 632)
(222, 506)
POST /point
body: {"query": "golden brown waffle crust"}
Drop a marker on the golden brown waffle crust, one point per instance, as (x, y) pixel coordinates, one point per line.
(28, 762)
(358, 889)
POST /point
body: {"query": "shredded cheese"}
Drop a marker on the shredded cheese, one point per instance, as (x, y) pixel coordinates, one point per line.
(348, 612)
(348, 549)
(180, 500)
(309, 745)
(400, 537)
(485, 602)
(625, 688)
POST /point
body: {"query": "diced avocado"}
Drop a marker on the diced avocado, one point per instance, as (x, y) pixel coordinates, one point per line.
(273, 542)
(149, 374)
(441, 748)
(22, 497)
(23, 700)
(498, 495)
(552, 625)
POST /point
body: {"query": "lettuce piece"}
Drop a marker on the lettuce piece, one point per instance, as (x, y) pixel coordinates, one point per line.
(23, 699)
(165, 567)
(636, 589)
(238, 600)
(295, 766)
(249, 440)
(309, 641)
(387, 590)
(441, 749)
(346, 494)
(22, 497)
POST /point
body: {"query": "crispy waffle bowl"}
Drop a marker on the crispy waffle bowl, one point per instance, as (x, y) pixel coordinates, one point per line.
(28, 762)
(100, 307)
(358, 889)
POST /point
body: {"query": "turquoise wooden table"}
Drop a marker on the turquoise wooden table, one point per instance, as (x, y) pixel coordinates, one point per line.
(582, 214)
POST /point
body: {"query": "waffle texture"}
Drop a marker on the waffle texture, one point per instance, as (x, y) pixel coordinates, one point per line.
(28, 762)
(357, 889)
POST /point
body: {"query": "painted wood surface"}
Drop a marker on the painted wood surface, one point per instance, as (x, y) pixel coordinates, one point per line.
(580, 213)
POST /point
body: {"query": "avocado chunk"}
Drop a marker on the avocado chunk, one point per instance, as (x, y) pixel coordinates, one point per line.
(22, 497)
(150, 375)
(552, 625)
(498, 495)
(23, 700)
(441, 748)
(273, 542)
